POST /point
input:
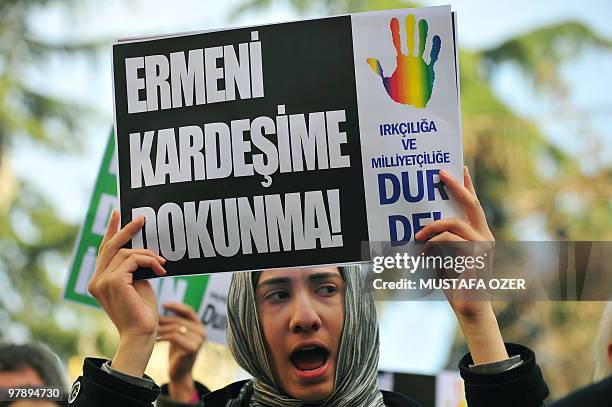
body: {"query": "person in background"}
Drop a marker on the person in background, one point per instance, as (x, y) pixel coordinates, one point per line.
(598, 394)
(30, 365)
(186, 335)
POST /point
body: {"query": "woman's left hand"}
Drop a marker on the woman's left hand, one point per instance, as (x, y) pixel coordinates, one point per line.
(446, 232)
(476, 317)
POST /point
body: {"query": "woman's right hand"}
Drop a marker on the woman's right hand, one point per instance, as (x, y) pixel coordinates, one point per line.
(131, 305)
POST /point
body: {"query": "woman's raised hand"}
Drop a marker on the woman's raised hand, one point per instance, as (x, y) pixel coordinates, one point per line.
(131, 305)
(476, 317)
(455, 233)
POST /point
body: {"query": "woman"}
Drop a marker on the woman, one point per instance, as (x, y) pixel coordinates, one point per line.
(310, 332)
(307, 336)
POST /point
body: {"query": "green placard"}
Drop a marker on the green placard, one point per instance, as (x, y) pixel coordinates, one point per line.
(188, 290)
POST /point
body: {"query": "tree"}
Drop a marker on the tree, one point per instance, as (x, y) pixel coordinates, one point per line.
(32, 235)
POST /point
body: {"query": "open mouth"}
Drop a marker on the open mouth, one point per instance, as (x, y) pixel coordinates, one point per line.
(309, 358)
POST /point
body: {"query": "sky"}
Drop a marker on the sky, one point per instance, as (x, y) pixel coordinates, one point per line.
(482, 24)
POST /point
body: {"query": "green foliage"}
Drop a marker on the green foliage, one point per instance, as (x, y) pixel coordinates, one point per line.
(328, 7)
(539, 53)
(34, 240)
(31, 235)
(24, 110)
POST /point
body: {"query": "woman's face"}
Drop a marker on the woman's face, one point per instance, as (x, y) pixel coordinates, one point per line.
(301, 312)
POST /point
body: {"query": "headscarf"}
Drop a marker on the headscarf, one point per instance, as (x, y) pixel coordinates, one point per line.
(356, 370)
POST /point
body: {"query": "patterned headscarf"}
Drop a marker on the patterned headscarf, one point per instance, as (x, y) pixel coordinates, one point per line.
(356, 370)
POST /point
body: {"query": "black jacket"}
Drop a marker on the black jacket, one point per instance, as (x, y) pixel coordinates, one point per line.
(219, 398)
(595, 395)
(520, 387)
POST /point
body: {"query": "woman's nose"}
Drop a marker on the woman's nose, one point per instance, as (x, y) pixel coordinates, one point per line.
(304, 316)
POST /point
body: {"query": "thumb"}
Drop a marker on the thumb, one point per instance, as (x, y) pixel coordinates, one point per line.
(375, 66)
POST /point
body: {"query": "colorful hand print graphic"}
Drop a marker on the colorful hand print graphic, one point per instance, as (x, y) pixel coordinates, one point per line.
(413, 79)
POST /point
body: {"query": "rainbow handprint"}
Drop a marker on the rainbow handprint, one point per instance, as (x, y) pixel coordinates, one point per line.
(413, 79)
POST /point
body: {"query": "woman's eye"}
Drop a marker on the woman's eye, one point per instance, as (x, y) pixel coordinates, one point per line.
(327, 290)
(278, 296)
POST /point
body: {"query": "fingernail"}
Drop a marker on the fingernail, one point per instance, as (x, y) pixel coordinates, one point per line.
(443, 172)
